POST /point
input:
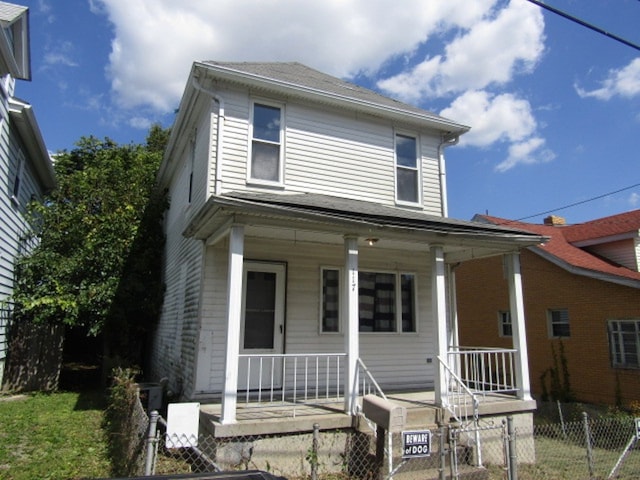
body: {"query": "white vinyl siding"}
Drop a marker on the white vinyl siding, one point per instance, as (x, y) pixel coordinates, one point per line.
(328, 152)
(395, 360)
(624, 252)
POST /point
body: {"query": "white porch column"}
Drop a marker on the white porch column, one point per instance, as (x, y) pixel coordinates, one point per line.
(516, 306)
(350, 315)
(439, 314)
(234, 309)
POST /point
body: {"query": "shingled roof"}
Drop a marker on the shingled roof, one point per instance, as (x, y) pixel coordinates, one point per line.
(562, 249)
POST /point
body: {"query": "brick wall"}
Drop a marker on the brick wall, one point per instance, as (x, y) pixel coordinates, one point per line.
(482, 291)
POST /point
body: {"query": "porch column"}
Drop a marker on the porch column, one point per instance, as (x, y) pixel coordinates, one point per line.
(234, 309)
(439, 315)
(350, 314)
(516, 307)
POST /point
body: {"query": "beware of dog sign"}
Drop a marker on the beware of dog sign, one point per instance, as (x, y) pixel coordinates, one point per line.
(416, 443)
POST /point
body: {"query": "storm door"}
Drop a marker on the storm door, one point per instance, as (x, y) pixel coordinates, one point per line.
(262, 330)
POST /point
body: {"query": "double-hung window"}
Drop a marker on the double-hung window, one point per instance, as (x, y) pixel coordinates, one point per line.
(387, 301)
(407, 169)
(265, 162)
(624, 343)
(559, 323)
(505, 326)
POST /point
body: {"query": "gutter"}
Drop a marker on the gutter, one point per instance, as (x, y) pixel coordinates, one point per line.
(448, 140)
(217, 187)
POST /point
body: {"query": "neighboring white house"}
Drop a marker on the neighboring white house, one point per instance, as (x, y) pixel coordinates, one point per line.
(26, 171)
(308, 225)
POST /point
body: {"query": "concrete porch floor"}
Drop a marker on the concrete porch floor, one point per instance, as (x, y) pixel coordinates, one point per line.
(288, 417)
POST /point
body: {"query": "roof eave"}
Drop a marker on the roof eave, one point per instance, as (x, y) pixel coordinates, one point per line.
(585, 272)
(24, 119)
(251, 79)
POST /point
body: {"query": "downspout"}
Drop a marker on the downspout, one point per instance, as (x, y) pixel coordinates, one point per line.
(217, 188)
(447, 140)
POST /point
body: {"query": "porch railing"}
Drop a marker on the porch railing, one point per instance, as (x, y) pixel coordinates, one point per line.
(291, 378)
(484, 370)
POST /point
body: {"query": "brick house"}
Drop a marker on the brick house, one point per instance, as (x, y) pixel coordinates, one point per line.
(581, 301)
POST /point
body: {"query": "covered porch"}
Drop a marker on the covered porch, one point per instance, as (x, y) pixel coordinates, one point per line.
(258, 387)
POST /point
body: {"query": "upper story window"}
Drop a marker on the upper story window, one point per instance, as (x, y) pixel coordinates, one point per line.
(559, 323)
(624, 343)
(407, 169)
(387, 301)
(266, 144)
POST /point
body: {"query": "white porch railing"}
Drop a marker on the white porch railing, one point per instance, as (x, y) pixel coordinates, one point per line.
(484, 370)
(291, 378)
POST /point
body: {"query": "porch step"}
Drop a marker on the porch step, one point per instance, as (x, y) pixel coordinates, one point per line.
(262, 424)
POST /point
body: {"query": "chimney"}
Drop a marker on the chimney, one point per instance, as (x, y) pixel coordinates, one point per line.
(554, 220)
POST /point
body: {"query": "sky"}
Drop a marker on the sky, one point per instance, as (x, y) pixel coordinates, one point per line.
(554, 107)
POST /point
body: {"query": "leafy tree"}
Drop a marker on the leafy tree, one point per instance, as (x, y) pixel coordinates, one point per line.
(96, 264)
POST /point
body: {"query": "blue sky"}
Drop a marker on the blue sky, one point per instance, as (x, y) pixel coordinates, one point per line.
(554, 107)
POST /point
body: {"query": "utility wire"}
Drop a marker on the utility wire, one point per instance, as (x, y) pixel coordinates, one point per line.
(585, 24)
(580, 203)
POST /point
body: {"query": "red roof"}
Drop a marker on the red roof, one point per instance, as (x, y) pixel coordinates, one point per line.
(561, 237)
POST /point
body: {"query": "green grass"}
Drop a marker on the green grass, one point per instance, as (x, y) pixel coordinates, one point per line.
(52, 436)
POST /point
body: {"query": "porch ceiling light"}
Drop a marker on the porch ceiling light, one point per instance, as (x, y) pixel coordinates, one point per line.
(370, 241)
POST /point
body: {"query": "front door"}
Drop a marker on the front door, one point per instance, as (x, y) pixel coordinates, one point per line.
(262, 330)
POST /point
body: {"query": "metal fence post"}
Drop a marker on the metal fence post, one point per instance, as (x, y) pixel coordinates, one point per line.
(151, 443)
(443, 455)
(314, 452)
(587, 436)
(513, 455)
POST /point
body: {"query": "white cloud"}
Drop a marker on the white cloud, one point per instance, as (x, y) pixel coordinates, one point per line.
(60, 54)
(500, 118)
(528, 152)
(490, 52)
(634, 199)
(493, 118)
(623, 82)
(156, 41)
(489, 42)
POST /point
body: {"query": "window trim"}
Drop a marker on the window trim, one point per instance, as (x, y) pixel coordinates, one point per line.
(503, 316)
(398, 301)
(281, 143)
(551, 323)
(18, 179)
(417, 168)
(612, 335)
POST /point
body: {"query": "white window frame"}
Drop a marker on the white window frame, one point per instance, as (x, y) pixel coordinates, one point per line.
(259, 181)
(417, 169)
(504, 320)
(617, 345)
(551, 323)
(18, 179)
(398, 301)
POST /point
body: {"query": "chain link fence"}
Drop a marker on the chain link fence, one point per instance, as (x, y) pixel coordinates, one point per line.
(591, 448)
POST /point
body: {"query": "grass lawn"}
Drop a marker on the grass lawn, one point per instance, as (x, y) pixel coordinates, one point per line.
(52, 436)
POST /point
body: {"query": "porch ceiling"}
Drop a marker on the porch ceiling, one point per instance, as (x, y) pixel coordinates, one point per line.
(323, 219)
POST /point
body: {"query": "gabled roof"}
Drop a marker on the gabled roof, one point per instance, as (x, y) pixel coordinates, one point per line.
(561, 250)
(15, 55)
(627, 223)
(296, 77)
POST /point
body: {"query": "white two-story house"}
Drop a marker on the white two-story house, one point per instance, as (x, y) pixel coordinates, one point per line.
(26, 171)
(309, 254)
